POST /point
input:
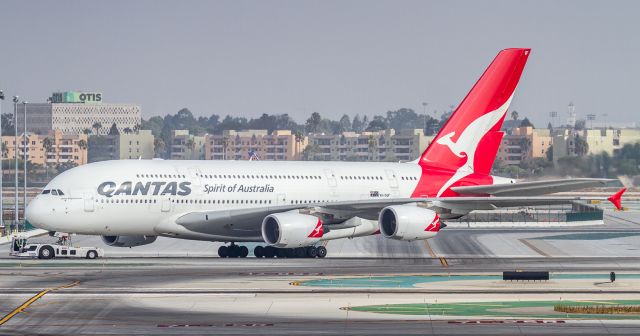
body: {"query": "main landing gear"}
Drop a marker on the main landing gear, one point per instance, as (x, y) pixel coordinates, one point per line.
(236, 251)
(299, 252)
(233, 251)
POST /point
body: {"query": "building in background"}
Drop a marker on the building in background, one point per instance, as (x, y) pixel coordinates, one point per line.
(280, 145)
(132, 145)
(524, 143)
(571, 142)
(49, 149)
(383, 145)
(185, 146)
(75, 112)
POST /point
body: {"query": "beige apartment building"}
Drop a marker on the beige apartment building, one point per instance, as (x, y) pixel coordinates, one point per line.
(524, 143)
(280, 145)
(134, 145)
(63, 148)
(185, 146)
(608, 140)
(383, 145)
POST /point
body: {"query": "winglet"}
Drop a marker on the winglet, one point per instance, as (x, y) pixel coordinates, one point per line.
(616, 198)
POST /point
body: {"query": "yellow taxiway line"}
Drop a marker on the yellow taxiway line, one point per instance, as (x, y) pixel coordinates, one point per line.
(33, 299)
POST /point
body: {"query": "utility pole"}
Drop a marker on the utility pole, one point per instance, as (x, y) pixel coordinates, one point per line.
(15, 136)
(24, 162)
(1, 161)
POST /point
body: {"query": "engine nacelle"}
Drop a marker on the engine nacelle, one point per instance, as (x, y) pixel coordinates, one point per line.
(291, 229)
(408, 222)
(128, 241)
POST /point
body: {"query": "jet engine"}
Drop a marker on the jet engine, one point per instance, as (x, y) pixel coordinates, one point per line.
(291, 229)
(408, 222)
(128, 241)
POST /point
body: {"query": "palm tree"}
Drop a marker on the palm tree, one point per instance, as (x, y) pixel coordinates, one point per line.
(86, 131)
(5, 150)
(373, 145)
(158, 145)
(309, 153)
(127, 130)
(514, 115)
(299, 137)
(47, 144)
(225, 144)
(136, 128)
(97, 126)
(83, 146)
(191, 145)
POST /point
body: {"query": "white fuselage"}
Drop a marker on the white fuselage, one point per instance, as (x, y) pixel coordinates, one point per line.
(145, 197)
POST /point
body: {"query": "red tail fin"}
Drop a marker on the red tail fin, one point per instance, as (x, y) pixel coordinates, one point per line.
(468, 142)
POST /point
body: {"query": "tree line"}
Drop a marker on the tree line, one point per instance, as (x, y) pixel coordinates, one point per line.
(184, 119)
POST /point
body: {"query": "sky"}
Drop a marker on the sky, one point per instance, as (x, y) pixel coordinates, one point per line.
(246, 58)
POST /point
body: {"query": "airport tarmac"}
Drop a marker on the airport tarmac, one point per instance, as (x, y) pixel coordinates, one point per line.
(450, 285)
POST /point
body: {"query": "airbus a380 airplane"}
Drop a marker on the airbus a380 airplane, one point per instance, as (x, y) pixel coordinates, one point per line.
(292, 206)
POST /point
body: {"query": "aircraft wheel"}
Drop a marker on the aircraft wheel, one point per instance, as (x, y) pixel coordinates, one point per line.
(322, 251)
(300, 252)
(234, 251)
(46, 252)
(258, 251)
(223, 252)
(281, 252)
(269, 252)
(312, 252)
(243, 251)
(289, 253)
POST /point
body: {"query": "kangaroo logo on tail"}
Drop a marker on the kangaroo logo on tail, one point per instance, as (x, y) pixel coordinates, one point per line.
(467, 142)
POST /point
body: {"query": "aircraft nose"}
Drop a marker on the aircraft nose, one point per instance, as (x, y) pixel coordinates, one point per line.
(35, 213)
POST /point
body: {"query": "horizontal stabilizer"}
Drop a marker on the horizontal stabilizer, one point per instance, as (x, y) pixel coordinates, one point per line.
(532, 188)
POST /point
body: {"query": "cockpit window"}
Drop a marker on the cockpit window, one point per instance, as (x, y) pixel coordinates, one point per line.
(54, 192)
(45, 192)
(60, 192)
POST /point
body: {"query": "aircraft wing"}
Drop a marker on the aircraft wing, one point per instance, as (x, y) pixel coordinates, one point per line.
(239, 224)
(532, 188)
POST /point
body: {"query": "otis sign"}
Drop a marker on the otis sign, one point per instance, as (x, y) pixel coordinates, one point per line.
(128, 188)
(77, 97)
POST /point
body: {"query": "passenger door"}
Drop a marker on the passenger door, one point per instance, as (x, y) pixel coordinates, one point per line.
(393, 183)
(281, 200)
(89, 201)
(331, 178)
(165, 205)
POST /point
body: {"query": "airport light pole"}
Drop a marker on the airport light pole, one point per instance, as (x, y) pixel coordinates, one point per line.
(24, 164)
(15, 136)
(1, 161)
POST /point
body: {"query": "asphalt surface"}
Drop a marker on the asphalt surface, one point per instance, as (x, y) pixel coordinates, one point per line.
(179, 287)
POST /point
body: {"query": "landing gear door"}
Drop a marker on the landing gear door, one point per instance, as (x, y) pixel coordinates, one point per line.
(391, 176)
(88, 202)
